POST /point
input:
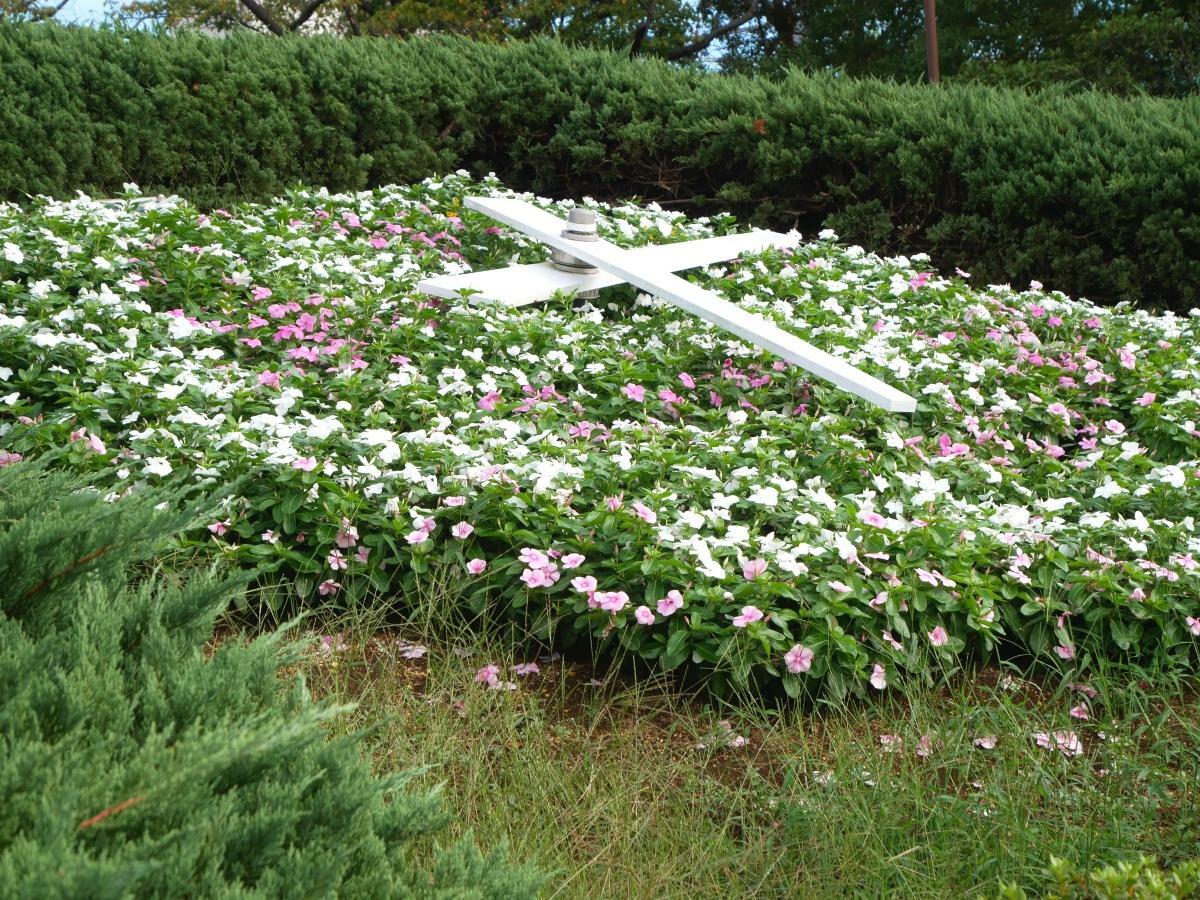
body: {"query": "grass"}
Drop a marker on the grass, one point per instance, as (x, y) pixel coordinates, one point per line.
(627, 787)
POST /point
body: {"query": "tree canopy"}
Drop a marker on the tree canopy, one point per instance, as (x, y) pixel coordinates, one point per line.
(1150, 46)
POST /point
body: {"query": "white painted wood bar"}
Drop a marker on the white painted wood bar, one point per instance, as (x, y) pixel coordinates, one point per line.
(534, 282)
(615, 260)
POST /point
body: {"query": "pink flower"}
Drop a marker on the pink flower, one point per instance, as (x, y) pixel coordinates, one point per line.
(572, 560)
(81, 434)
(529, 668)
(1080, 712)
(1066, 742)
(1114, 426)
(753, 568)
(634, 392)
(489, 674)
(1146, 399)
(417, 536)
(304, 463)
(1127, 357)
(612, 601)
(219, 528)
(347, 535)
(687, 380)
(840, 587)
(874, 519)
(1059, 409)
(938, 637)
(8, 458)
(454, 501)
(268, 378)
(895, 644)
(1065, 651)
(535, 559)
(948, 447)
(924, 746)
(920, 279)
(879, 677)
(476, 566)
(1193, 625)
(362, 554)
(614, 503)
(748, 614)
(412, 651)
(670, 603)
(799, 659)
(645, 513)
(1137, 594)
(328, 586)
(488, 401)
(536, 578)
(987, 742)
(585, 584)
(331, 643)
(260, 293)
(644, 615)
(879, 600)
(934, 578)
(462, 530)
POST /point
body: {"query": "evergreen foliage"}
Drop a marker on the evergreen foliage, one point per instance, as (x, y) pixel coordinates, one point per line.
(1142, 878)
(1096, 196)
(136, 760)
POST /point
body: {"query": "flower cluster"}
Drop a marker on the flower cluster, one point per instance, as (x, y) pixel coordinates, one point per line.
(619, 467)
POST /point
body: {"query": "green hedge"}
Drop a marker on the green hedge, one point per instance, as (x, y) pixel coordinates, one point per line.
(134, 762)
(1094, 195)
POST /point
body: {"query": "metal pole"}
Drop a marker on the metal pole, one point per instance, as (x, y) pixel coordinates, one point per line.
(931, 42)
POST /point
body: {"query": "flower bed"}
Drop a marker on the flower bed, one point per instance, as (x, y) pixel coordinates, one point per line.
(623, 469)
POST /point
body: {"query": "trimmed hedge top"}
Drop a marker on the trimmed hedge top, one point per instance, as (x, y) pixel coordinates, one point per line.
(1095, 195)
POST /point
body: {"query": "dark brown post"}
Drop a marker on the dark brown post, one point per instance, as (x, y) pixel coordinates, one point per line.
(931, 45)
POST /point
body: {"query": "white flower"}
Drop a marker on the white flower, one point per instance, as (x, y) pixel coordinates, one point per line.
(1056, 504)
(709, 567)
(319, 429)
(181, 329)
(765, 496)
(1173, 476)
(157, 465)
